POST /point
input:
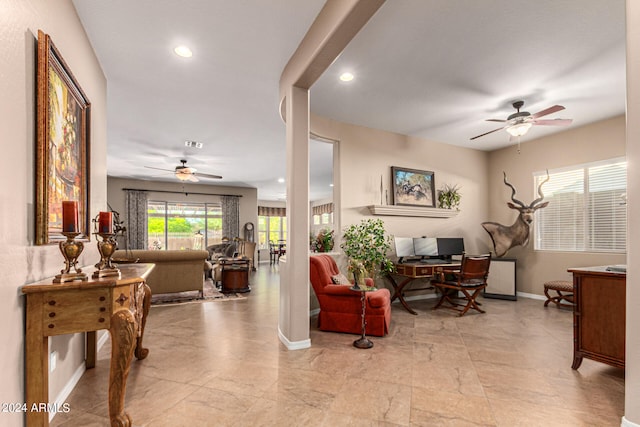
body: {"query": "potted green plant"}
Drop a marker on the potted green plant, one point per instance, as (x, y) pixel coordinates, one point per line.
(449, 197)
(324, 240)
(367, 244)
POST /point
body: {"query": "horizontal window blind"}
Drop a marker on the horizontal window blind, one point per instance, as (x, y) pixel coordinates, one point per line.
(586, 211)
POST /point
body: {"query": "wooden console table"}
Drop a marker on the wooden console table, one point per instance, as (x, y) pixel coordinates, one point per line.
(599, 315)
(120, 305)
(412, 271)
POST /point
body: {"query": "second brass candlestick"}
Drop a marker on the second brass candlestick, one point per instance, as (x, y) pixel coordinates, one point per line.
(107, 246)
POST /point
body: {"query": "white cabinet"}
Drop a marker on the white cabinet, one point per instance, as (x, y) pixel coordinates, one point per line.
(501, 282)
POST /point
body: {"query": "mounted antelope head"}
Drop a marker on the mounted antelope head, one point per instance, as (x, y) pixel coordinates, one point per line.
(505, 238)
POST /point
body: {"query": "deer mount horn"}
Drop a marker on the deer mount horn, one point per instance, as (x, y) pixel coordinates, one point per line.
(517, 234)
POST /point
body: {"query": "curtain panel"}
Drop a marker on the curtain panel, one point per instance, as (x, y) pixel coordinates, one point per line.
(136, 210)
(269, 211)
(322, 209)
(230, 216)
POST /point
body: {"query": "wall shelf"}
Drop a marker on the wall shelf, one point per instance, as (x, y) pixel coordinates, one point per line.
(394, 210)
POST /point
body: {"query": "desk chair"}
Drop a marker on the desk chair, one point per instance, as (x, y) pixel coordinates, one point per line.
(470, 280)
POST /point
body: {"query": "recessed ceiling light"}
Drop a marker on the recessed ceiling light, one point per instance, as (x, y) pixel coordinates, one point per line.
(183, 51)
(281, 180)
(346, 77)
(330, 185)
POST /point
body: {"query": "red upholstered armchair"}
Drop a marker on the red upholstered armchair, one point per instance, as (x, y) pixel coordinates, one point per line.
(341, 308)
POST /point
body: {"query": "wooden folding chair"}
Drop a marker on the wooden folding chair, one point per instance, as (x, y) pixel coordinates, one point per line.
(469, 280)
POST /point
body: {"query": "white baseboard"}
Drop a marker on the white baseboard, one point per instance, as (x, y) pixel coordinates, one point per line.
(626, 423)
(293, 345)
(73, 381)
(102, 340)
(531, 296)
(432, 296)
(67, 389)
(418, 297)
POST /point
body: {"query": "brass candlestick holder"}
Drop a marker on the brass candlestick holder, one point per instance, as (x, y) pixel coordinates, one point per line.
(71, 250)
(106, 247)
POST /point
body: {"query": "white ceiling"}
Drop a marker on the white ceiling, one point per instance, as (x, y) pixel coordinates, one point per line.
(435, 69)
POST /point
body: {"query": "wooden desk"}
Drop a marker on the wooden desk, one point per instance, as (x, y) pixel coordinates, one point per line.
(120, 305)
(599, 316)
(412, 271)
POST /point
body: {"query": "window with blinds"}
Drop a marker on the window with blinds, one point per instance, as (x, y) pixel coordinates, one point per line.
(587, 208)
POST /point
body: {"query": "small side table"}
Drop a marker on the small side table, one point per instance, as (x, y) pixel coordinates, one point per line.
(363, 341)
(235, 275)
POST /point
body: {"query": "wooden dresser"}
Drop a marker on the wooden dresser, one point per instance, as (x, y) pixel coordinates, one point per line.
(599, 315)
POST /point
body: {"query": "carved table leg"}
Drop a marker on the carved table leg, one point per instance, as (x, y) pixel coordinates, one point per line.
(123, 334)
(142, 352)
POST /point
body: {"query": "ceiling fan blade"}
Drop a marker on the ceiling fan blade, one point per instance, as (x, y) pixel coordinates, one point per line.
(207, 175)
(549, 110)
(192, 178)
(160, 169)
(553, 122)
(496, 120)
(486, 133)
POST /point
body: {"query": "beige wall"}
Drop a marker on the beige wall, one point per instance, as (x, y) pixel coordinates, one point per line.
(367, 154)
(20, 261)
(599, 141)
(248, 201)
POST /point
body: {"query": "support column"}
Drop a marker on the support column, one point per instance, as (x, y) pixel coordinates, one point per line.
(632, 345)
(336, 24)
(294, 273)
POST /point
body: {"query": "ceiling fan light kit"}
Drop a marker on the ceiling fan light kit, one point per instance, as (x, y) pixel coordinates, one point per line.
(519, 123)
(519, 129)
(186, 173)
(186, 176)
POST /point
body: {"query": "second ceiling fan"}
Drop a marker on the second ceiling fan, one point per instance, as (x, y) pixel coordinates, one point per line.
(519, 123)
(186, 173)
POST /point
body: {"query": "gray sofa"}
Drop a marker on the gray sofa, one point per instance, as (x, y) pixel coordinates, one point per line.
(175, 271)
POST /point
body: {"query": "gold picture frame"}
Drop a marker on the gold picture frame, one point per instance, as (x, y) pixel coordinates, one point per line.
(62, 148)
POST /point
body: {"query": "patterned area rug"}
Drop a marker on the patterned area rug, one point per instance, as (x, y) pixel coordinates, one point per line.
(211, 293)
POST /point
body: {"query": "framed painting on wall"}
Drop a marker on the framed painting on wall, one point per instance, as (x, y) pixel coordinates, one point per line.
(413, 187)
(62, 148)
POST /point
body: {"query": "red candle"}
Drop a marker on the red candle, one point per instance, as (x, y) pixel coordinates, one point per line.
(105, 223)
(70, 216)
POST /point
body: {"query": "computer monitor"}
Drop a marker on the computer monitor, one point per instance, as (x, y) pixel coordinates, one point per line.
(425, 246)
(448, 246)
(404, 246)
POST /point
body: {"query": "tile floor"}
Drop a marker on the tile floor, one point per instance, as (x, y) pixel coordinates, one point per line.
(221, 364)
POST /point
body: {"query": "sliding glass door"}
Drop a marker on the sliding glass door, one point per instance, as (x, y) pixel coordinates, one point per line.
(183, 225)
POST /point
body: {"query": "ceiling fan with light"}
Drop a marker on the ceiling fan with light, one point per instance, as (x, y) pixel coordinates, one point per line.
(186, 173)
(519, 123)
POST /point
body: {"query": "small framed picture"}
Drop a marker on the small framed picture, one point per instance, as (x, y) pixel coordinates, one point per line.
(413, 187)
